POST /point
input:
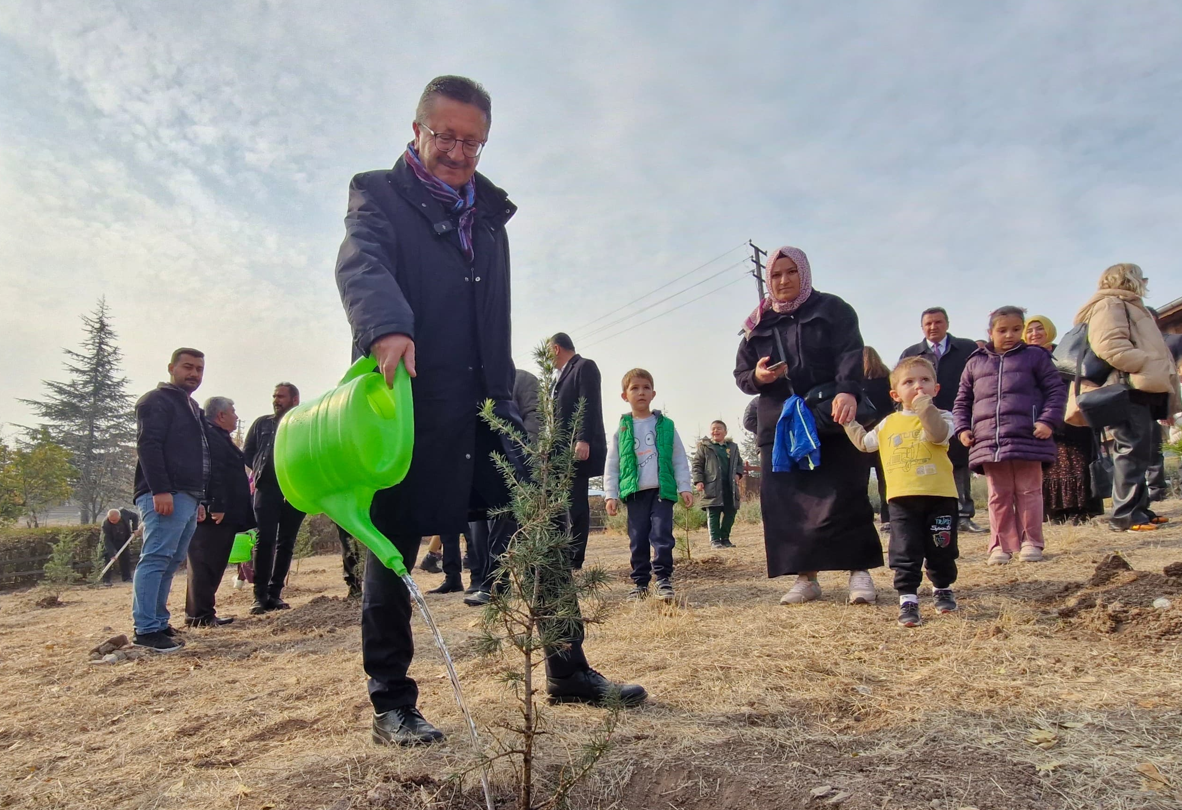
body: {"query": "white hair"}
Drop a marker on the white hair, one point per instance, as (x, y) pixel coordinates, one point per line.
(216, 406)
(114, 512)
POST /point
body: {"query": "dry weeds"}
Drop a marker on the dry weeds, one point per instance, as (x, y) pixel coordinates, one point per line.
(1052, 688)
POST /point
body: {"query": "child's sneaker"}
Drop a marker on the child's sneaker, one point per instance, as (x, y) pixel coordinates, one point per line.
(998, 557)
(909, 614)
(803, 590)
(432, 563)
(1030, 553)
(638, 593)
(664, 590)
(945, 601)
(717, 544)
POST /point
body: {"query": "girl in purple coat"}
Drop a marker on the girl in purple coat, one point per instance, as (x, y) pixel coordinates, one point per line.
(1010, 400)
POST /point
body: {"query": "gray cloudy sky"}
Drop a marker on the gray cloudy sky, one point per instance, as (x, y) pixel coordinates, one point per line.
(190, 162)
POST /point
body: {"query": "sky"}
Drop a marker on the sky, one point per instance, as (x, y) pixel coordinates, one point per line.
(190, 162)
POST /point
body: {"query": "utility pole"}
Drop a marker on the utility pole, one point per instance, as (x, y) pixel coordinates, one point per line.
(757, 254)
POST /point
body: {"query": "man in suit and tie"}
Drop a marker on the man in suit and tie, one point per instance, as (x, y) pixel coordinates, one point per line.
(949, 355)
(579, 379)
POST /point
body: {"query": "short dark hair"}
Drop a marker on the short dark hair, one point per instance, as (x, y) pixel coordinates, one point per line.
(719, 422)
(933, 311)
(457, 88)
(1006, 312)
(183, 350)
(562, 340)
(292, 391)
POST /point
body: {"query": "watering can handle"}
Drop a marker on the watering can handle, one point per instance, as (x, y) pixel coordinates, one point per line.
(363, 365)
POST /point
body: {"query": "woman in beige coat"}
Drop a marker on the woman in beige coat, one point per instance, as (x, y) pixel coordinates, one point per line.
(1122, 332)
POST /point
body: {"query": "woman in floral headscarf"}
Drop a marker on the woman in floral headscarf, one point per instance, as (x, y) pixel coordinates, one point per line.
(1067, 484)
(799, 339)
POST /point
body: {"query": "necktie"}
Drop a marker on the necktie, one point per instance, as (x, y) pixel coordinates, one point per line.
(938, 350)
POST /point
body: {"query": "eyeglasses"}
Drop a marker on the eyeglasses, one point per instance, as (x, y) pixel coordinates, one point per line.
(446, 143)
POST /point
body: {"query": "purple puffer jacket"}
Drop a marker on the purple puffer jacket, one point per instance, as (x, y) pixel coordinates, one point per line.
(1001, 396)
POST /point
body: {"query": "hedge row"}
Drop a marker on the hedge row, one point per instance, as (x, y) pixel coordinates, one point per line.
(24, 552)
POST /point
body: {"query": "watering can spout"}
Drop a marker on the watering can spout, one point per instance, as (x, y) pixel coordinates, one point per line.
(333, 453)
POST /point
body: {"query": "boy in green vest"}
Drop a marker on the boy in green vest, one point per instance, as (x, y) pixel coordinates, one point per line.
(920, 488)
(648, 470)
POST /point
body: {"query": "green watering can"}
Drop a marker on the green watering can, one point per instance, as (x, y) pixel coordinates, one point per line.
(333, 453)
(244, 543)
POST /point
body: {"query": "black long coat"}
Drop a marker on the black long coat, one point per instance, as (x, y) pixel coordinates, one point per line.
(229, 488)
(948, 372)
(580, 379)
(813, 520)
(401, 270)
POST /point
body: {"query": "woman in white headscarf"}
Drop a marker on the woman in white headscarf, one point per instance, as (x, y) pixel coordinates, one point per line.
(799, 340)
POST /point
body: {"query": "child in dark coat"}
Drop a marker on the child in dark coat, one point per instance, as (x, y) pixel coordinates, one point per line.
(1010, 400)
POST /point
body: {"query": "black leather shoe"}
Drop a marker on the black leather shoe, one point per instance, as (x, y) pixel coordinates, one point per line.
(275, 603)
(449, 586)
(259, 607)
(404, 726)
(588, 686)
(967, 525)
(222, 621)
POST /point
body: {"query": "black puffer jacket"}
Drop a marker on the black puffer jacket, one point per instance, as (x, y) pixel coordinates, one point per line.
(169, 443)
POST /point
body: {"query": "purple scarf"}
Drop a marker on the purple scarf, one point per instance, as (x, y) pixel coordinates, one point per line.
(453, 203)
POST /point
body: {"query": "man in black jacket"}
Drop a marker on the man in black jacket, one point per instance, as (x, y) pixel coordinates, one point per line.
(423, 274)
(228, 512)
(949, 355)
(117, 530)
(171, 474)
(579, 380)
(278, 521)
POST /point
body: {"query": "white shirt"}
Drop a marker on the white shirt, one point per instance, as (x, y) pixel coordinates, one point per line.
(644, 444)
(943, 344)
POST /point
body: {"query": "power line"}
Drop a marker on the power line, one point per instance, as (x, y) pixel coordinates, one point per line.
(658, 289)
(666, 312)
(623, 318)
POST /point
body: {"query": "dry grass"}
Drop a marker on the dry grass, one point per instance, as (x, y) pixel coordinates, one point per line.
(752, 704)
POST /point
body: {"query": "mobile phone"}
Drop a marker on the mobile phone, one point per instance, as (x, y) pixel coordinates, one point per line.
(776, 366)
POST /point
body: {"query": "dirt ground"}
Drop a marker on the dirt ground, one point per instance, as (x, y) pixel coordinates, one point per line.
(1057, 685)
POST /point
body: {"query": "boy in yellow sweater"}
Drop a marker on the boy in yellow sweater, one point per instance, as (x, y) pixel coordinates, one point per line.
(920, 488)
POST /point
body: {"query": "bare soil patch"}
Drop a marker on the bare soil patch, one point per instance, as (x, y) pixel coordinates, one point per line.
(1055, 686)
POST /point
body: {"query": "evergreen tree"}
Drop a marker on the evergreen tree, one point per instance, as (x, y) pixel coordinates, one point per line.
(92, 415)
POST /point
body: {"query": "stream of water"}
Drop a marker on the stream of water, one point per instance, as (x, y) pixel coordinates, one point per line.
(417, 596)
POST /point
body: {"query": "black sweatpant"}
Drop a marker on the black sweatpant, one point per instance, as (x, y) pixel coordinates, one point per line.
(650, 535)
(387, 644)
(279, 523)
(923, 534)
(209, 553)
(579, 520)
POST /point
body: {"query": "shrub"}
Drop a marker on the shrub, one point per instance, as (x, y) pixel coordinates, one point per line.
(24, 551)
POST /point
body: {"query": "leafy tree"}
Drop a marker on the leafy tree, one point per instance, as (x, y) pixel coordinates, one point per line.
(92, 416)
(10, 498)
(41, 472)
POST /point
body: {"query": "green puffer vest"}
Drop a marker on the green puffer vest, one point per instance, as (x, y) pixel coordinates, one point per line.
(630, 472)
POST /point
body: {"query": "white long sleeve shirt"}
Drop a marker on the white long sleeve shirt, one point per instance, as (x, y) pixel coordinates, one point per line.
(644, 432)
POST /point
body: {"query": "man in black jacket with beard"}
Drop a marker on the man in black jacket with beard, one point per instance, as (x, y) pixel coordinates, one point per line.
(579, 381)
(278, 521)
(949, 355)
(423, 274)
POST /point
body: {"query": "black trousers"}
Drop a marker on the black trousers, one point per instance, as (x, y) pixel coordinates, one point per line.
(880, 476)
(1155, 477)
(579, 520)
(490, 538)
(279, 523)
(964, 491)
(109, 551)
(923, 534)
(387, 644)
(1132, 453)
(650, 536)
(209, 553)
(453, 560)
(350, 560)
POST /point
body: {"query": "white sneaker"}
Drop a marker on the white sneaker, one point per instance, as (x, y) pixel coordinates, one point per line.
(862, 588)
(999, 557)
(238, 583)
(1030, 553)
(803, 590)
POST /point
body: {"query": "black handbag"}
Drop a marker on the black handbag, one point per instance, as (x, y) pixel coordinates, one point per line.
(1073, 356)
(820, 401)
(1100, 470)
(1109, 404)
